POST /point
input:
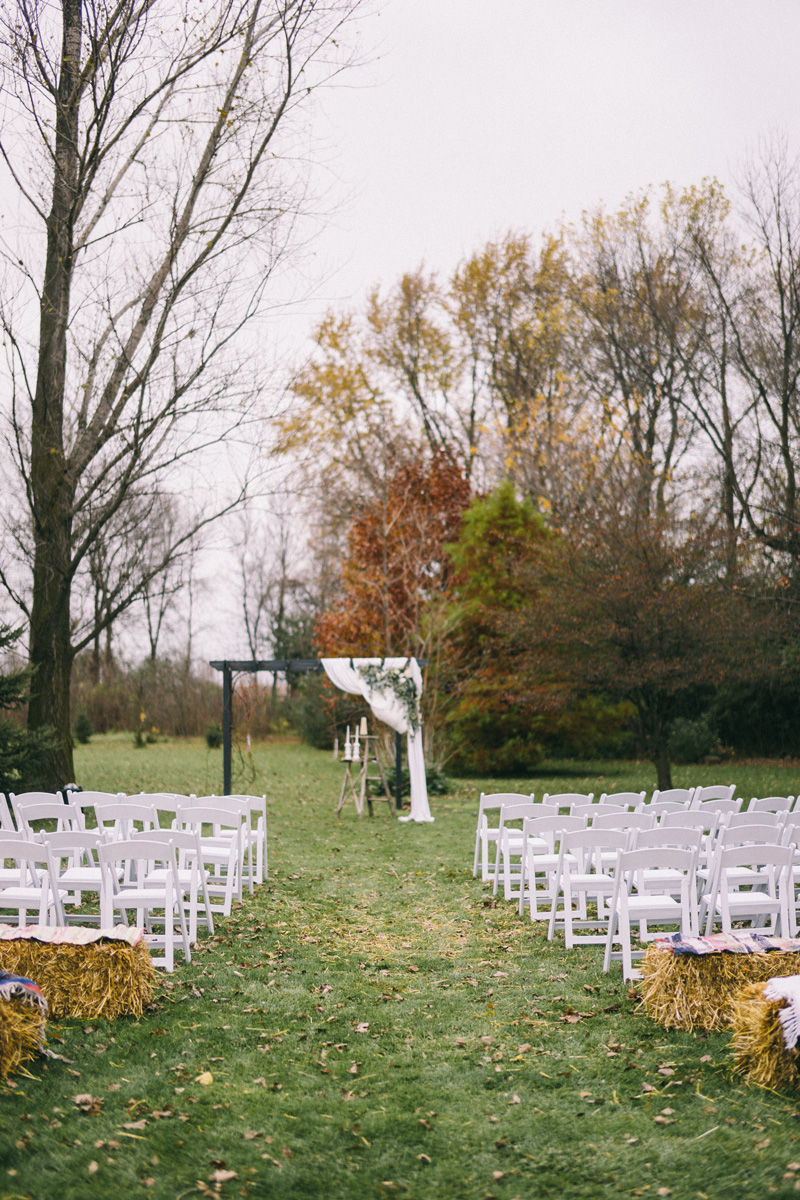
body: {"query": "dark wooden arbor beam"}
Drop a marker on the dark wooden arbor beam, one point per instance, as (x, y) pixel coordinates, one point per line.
(299, 666)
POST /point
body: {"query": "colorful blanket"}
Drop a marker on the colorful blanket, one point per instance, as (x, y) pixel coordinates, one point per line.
(71, 935)
(17, 987)
(740, 941)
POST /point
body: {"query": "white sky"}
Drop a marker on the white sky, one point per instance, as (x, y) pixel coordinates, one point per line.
(473, 117)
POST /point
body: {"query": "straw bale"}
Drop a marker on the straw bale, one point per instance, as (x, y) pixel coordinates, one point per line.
(104, 979)
(22, 1032)
(687, 991)
(758, 1048)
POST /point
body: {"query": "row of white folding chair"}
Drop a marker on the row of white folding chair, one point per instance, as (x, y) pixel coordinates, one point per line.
(71, 814)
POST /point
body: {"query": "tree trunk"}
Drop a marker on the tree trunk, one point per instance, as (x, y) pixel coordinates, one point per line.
(52, 489)
(663, 769)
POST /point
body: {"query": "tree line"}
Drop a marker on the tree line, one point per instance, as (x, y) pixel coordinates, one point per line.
(567, 474)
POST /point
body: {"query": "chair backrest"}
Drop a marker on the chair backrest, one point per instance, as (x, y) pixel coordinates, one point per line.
(139, 852)
(761, 854)
(78, 847)
(587, 845)
(771, 804)
(65, 816)
(217, 815)
(518, 811)
(674, 795)
(117, 820)
(7, 824)
(715, 791)
(654, 858)
(692, 818)
(26, 799)
(568, 799)
(552, 827)
(721, 806)
(626, 799)
(747, 835)
(662, 835)
(752, 816)
(29, 856)
(623, 820)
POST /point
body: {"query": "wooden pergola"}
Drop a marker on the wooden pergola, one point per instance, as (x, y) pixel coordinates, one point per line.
(298, 666)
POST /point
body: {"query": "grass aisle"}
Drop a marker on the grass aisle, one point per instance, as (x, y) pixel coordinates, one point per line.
(369, 1025)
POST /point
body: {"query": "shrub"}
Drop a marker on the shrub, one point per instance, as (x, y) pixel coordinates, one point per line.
(214, 736)
(83, 728)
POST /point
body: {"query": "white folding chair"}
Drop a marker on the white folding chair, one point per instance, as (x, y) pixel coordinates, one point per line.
(76, 869)
(509, 844)
(154, 906)
(673, 796)
(659, 807)
(191, 874)
(644, 892)
(541, 838)
(485, 833)
(633, 800)
(715, 791)
(745, 876)
(754, 816)
(221, 848)
(582, 874)
(257, 806)
(723, 807)
(29, 884)
(766, 891)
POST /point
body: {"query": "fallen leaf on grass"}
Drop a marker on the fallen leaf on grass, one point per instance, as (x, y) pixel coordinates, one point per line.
(204, 1078)
(91, 1105)
(663, 1120)
(515, 1099)
(362, 1027)
(423, 1158)
(135, 1124)
(92, 1167)
(666, 1070)
(648, 1087)
(497, 1174)
(250, 1134)
(221, 1176)
(762, 1145)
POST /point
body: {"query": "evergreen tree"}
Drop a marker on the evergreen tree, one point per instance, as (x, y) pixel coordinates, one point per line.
(21, 752)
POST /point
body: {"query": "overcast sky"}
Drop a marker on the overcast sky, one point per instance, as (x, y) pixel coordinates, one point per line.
(473, 117)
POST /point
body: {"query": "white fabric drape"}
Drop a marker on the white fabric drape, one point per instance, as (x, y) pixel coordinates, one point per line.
(344, 673)
(787, 987)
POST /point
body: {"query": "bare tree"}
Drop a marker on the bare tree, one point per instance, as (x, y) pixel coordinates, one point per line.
(153, 149)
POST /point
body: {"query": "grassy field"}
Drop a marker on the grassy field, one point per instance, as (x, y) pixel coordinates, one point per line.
(372, 1025)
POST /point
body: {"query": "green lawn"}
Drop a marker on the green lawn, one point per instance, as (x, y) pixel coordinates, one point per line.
(374, 1026)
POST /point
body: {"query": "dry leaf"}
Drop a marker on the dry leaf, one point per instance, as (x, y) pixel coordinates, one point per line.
(663, 1120)
(93, 1167)
(134, 1124)
(515, 1099)
(423, 1158)
(664, 1191)
(221, 1176)
(762, 1145)
(524, 1048)
(497, 1174)
(648, 1087)
(250, 1134)
(204, 1078)
(362, 1027)
(666, 1071)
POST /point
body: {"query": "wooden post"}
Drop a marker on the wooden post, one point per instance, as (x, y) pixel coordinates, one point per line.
(227, 698)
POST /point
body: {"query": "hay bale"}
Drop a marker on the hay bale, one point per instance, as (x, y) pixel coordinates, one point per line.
(687, 991)
(103, 979)
(22, 1033)
(758, 1048)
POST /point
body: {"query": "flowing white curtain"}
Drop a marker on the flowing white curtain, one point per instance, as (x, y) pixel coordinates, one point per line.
(345, 674)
